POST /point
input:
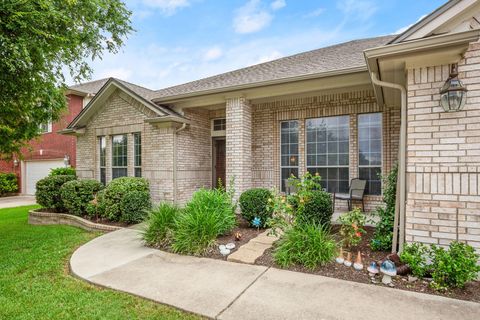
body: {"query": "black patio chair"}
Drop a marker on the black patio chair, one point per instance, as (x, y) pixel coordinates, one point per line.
(356, 193)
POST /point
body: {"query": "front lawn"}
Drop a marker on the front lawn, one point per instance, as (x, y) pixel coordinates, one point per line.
(35, 283)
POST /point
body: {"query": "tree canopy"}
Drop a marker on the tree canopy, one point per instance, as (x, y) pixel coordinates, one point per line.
(39, 41)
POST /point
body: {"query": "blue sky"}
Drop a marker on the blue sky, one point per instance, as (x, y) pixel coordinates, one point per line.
(177, 41)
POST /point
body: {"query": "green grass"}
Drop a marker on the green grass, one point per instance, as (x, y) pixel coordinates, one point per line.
(35, 283)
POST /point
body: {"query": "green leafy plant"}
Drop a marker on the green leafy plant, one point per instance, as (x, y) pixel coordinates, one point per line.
(352, 227)
(281, 214)
(254, 203)
(77, 195)
(206, 216)
(382, 238)
(306, 183)
(315, 207)
(48, 193)
(454, 267)
(134, 206)
(63, 171)
(415, 255)
(160, 224)
(8, 183)
(307, 244)
(110, 202)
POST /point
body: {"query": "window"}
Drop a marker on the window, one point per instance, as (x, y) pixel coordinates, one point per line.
(370, 151)
(102, 143)
(137, 154)
(219, 124)
(289, 151)
(119, 156)
(45, 127)
(327, 151)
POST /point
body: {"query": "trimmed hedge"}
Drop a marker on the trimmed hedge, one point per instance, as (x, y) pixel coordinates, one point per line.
(253, 203)
(63, 171)
(8, 183)
(110, 201)
(77, 194)
(315, 207)
(134, 206)
(48, 193)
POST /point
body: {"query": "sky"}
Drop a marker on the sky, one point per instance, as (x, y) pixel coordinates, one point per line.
(177, 41)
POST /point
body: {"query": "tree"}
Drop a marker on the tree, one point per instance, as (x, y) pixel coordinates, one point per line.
(39, 40)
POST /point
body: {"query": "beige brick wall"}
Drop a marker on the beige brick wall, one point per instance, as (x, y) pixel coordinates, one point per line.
(443, 167)
(266, 133)
(123, 115)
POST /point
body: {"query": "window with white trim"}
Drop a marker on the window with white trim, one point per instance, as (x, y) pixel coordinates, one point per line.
(288, 151)
(119, 156)
(45, 127)
(102, 152)
(137, 154)
(370, 151)
(327, 145)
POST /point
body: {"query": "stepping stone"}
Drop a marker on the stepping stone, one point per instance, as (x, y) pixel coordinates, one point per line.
(254, 249)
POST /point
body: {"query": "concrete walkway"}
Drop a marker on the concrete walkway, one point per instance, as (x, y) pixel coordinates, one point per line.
(227, 290)
(16, 201)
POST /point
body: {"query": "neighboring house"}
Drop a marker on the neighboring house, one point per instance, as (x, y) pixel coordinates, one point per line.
(318, 111)
(50, 149)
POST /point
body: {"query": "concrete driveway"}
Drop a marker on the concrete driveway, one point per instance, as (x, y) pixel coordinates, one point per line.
(16, 201)
(226, 290)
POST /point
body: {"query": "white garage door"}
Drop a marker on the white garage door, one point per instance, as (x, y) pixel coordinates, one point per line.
(36, 170)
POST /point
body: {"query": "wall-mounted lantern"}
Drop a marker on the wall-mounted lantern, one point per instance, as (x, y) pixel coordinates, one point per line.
(66, 160)
(16, 162)
(453, 94)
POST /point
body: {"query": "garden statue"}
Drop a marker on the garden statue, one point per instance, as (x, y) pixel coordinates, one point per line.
(372, 269)
(257, 222)
(238, 236)
(340, 259)
(389, 270)
(348, 261)
(358, 262)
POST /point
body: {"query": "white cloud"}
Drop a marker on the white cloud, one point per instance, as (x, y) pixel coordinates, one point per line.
(403, 29)
(168, 7)
(251, 18)
(278, 4)
(120, 73)
(270, 56)
(212, 54)
(315, 13)
(361, 10)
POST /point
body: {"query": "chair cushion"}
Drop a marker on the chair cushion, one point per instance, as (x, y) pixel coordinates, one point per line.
(346, 196)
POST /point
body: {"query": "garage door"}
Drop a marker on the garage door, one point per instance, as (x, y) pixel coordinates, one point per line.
(36, 170)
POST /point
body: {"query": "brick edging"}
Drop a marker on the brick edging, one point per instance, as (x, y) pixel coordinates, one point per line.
(49, 218)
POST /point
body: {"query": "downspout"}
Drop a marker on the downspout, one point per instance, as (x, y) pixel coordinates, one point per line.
(401, 184)
(175, 183)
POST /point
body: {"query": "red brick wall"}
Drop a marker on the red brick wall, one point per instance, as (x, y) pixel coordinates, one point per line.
(51, 145)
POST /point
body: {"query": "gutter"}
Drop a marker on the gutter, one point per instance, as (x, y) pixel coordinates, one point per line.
(175, 179)
(399, 222)
(262, 84)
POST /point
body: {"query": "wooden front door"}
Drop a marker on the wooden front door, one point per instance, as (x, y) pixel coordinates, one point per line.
(219, 162)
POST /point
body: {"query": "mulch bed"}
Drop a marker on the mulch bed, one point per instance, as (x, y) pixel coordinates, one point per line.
(471, 292)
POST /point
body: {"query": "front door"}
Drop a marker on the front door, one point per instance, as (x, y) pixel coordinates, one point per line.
(219, 161)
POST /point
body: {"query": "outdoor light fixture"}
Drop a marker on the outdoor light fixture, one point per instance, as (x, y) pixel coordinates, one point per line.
(453, 94)
(66, 160)
(15, 162)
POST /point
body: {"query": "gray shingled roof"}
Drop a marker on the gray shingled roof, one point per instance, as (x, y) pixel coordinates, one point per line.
(93, 87)
(333, 58)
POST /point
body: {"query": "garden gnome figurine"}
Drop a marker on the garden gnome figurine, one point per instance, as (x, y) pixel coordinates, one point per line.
(372, 269)
(340, 259)
(348, 261)
(358, 262)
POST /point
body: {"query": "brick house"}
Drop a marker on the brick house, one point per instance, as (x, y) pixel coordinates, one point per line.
(51, 149)
(324, 111)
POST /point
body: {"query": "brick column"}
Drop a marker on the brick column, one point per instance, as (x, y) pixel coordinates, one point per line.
(239, 144)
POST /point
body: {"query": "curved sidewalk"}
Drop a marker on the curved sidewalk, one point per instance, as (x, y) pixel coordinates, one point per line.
(227, 290)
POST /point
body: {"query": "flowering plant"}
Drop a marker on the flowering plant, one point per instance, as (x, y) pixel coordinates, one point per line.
(352, 227)
(282, 213)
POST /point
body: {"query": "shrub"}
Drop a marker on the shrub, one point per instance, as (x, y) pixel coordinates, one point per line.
(415, 255)
(307, 244)
(48, 193)
(351, 229)
(208, 215)
(253, 203)
(160, 224)
(454, 267)
(110, 202)
(63, 171)
(382, 238)
(77, 194)
(282, 214)
(8, 183)
(134, 206)
(315, 207)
